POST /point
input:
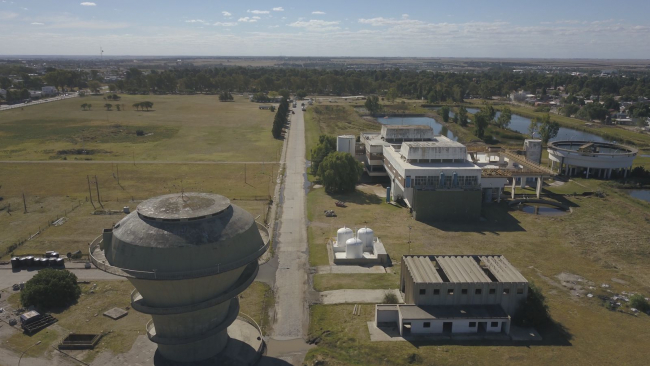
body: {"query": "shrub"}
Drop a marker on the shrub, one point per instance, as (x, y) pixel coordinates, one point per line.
(51, 288)
(390, 298)
(139, 132)
(639, 302)
(533, 311)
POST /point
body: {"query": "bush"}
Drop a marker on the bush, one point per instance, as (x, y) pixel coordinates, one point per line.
(139, 132)
(390, 298)
(533, 311)
(639, 302)
(51, 288)
(340, 172)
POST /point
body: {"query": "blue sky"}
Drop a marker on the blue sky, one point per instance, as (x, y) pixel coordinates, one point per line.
(495, 28)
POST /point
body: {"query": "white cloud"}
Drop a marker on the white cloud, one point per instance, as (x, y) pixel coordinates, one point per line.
(86, 3)
(256, 18)
(258, 11)
(279, 8)
(6, 15)
(225, 24)
(318, 12)
(226, 14)
(37, 23)
(405, 16)
(195, 21)
(274, 26)
(316, 25)
(247, 19)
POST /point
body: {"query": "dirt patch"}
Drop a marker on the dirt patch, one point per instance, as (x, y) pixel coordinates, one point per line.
(577, 285)
(83, 152)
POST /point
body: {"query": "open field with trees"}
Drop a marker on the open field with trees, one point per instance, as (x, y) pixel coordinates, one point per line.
(177, 128)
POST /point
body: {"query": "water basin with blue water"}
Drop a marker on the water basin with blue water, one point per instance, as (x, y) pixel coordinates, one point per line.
(642, 194)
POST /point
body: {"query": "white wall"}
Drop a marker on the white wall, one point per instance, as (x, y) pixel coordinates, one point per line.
(459, 325)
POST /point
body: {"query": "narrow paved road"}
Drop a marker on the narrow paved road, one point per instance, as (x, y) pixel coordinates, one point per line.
(292, 313)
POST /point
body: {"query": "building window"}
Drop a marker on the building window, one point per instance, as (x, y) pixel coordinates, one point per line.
(447, 182)
(494, 324)
(472, 324)
(420, 181)
(471, 181)
(423, 291)
(450, 291)
(477, 291)
(520, 291)
(436, 291)
(493, 291)
(426, 325)
(506, 291)
(463, 291)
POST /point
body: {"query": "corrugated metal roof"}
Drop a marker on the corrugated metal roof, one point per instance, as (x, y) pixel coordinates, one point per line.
(421, 269)
(462, 269)
(502, 269)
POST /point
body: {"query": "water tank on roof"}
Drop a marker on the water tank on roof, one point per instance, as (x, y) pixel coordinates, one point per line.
(367, 236)
(343, 234)
(354, 248)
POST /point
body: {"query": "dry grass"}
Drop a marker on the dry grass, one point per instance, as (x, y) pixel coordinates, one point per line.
(256, 302)
(603, 238)
(340, 281)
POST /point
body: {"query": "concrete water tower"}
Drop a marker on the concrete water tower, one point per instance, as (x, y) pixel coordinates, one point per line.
(189, 256)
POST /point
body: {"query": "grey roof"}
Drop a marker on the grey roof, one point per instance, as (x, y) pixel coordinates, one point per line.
(462, 269)
(412, 312)
(407, 127)
(178, 206)
(422, 269)
(502, 269)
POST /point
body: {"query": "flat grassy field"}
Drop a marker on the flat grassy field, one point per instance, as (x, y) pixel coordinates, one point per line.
(604, 240)
(178, 128)
(86, 317)
(340, 281)
(66, 186)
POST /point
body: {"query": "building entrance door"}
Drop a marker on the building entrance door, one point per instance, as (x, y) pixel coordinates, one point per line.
(447, 327)
(482, 327)
(406, 329)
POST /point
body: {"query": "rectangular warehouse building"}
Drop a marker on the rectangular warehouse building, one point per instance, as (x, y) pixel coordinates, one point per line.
(446, 294)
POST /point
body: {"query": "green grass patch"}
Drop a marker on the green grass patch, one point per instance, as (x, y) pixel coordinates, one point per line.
(256, 302)
(340, 281)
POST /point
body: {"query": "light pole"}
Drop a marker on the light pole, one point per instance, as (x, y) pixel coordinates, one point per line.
(27, 349)
(410, 227)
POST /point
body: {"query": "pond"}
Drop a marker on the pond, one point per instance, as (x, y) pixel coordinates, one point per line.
(542, 209)
(642, 194)
(521, 124)
(438, 129)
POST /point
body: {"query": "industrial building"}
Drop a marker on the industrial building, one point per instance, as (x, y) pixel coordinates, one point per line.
(189, 256)
(447, 294)
(363, 249)
(591, 159)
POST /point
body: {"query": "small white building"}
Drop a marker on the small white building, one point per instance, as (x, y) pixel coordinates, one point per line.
(48, 90)
(346, 144)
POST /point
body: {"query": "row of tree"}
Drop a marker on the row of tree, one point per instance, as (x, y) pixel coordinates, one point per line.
(280, 118)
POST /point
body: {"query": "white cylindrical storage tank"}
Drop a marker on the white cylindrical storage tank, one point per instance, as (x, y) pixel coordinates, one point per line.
(345, 143)
(366, 235)
(343, 234)
(353, 248)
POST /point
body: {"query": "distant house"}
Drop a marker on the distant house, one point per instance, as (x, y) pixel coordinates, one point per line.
(48, 90)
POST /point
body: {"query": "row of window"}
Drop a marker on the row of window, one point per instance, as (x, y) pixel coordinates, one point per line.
(478, 291)
(471, 324)
(434, 181)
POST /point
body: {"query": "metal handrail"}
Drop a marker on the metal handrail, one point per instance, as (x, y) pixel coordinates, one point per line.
(219, 268)
(248, 319)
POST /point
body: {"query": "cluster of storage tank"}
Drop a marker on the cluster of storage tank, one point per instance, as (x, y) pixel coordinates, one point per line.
(355, 245)
(51, 259)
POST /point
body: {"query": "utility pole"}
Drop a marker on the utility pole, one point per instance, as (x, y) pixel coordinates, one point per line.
(410, 227)
(90, 192)
(117, 167)
(24, 203)
(98, 199)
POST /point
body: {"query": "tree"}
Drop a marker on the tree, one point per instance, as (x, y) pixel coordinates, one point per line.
(462, 116)
(108, 106)
(112, 88)
(546, 128)
(340, 172)
(50, 288)
(137, 106)
(225, 97)
(372, 104)
(326, 145)
(532, 311)
(570, 109)
(639, 302)
(391, 95)
(444, 112)
(94, 86)
(280, 118)
(117, 106)
(272, 108)
(504, 119)
(84, 106)
(480, 123)
(301, 94)
(89, 106)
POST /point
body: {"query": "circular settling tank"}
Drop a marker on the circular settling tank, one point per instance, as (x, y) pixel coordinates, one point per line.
(589, 158)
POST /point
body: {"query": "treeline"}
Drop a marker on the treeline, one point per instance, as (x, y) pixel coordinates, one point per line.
(280, 118)
(431, 86)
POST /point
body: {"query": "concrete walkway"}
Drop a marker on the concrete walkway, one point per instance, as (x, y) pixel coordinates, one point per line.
(349, 269)
(356, 296)
(292, 313)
